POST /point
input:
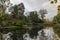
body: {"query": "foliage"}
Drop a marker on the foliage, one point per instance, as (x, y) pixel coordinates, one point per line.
(57, 18)
(36, 22)
(56, 21)
(18, 21)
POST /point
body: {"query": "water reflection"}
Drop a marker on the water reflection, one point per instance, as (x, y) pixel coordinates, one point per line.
(44, 34)
(7, 36)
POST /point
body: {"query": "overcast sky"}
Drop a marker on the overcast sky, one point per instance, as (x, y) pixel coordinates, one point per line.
(32, 5)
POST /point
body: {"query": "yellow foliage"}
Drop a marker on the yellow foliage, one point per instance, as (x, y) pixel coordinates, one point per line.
(58, 8)
(55, 1)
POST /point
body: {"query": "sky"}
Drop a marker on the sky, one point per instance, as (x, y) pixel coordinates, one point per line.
(32, 5)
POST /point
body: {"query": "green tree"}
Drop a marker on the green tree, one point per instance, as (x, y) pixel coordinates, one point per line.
(33, 17)
(15, 12)
(19, 11)
(57, 19)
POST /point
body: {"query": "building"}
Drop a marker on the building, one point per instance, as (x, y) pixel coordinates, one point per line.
(21, 8)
